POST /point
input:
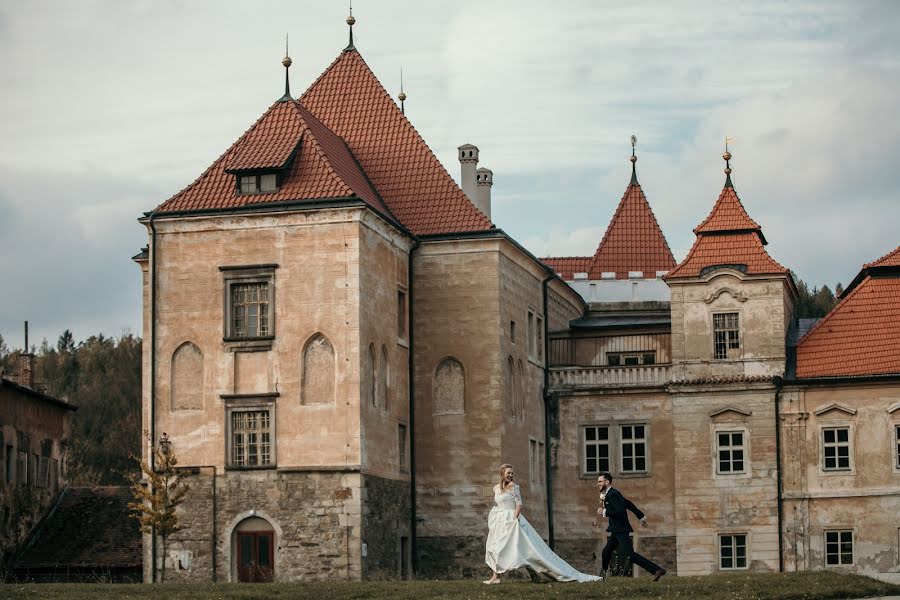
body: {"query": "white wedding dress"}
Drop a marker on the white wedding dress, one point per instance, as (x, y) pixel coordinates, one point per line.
(514, 543)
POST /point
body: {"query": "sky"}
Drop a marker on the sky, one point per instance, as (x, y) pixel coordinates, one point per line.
(108, 107)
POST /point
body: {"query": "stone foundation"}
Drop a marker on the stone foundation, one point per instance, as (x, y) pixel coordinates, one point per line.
(385, 523)
(315, 517)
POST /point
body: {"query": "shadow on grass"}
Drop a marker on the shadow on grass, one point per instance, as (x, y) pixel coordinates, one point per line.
(786, 586)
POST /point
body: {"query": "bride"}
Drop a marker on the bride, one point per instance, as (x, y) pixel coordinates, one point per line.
(513, 543)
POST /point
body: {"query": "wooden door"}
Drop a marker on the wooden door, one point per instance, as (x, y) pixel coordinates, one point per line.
(256, 556)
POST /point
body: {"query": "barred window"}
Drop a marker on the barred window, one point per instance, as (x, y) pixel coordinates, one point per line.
(634, 448)
(836, 448)
(838, 548)
(726, 334)
(251, 444)
(733, 551)
(250, 304)
(596, 449)
(730, 446)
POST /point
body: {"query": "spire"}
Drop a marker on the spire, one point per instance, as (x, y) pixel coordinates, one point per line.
(402, 95)
(286, 61)
(633, 160)
(727, 157)
(350, 21)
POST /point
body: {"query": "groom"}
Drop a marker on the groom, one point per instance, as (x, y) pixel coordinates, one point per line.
(615, 506)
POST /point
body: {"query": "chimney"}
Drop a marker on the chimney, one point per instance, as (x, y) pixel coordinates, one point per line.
(484, 179)
(24, 373)
(468, 160)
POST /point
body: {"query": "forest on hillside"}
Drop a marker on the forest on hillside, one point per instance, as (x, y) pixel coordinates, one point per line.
(102, 377)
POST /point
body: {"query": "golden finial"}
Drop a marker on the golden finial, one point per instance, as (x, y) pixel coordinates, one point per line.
(402, 95)
(351, 20)
(286, 61)
(727, 156)
(633, 158)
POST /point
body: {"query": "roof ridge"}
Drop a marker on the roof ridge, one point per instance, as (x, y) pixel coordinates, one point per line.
(321, 151)
(221, 157)
(875, 263)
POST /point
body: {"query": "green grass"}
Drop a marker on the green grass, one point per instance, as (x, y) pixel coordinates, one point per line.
(786, 586)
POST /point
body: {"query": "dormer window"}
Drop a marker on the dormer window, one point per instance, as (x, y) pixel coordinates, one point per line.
(258, 183)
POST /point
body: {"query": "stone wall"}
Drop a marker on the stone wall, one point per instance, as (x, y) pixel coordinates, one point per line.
(315, 516)
(385, 522)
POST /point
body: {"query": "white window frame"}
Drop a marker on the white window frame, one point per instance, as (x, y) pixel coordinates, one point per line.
(740, 337)
(840, 555)
(622, 441)
(730, 430)
(734, 546)
(584, 442)
(250, 403)
(823, 468)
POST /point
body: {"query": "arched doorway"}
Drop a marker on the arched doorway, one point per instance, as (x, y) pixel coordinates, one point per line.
(254, 550)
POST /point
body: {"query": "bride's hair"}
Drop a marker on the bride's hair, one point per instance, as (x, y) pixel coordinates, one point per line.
(503, 467)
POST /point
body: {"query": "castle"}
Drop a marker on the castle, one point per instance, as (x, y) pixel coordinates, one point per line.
(342, 348)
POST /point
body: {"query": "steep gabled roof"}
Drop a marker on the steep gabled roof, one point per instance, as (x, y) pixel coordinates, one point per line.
(322, 166)
(633, 240)
(728, 214)
(891, 259)
(345, 138)
(728, 237)
(348, 99)
(859, 336)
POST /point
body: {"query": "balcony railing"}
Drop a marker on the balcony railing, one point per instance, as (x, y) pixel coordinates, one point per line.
(631, 376)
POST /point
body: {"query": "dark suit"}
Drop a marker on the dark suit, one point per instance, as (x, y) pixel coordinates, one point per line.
(616, 509)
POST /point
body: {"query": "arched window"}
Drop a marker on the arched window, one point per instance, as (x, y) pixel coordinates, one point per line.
(187, 378)
(317, 371)
(522, 391)
(449, 388)
(509, 394)
(369, 376)
(382, 383)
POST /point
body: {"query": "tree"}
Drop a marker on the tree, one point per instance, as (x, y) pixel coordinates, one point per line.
(158, 494)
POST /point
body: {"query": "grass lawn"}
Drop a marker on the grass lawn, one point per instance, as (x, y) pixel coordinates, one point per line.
(721, 587)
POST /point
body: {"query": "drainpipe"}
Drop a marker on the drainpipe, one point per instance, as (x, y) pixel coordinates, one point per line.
(546, 397)
(152, 375)
(779, 382)
(410, 296)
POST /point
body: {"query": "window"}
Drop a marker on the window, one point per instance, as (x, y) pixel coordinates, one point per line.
(532, 461)
(43, 472)
(251, 437)
(264, 183)
(22, 467)
(249, 302)
(733, 551)
(530, 334)
(401, 315)
(896, 446)
(54, 474)
(539, 336)
(730, 449)
(10, 469)
(512, 332)
(726, 334)
(634, 448)
(836, 448)
(628, 359)
(838, 548)
(401, 447)
(596, 449)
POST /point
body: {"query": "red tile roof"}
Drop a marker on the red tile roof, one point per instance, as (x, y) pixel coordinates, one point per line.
(353, 142)
(350, 100)
(323, 167)
(891, 259)
(859, 336)
(728, 214)
(567, 266)
(91, 527)
(633, 242)
(728, 236)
